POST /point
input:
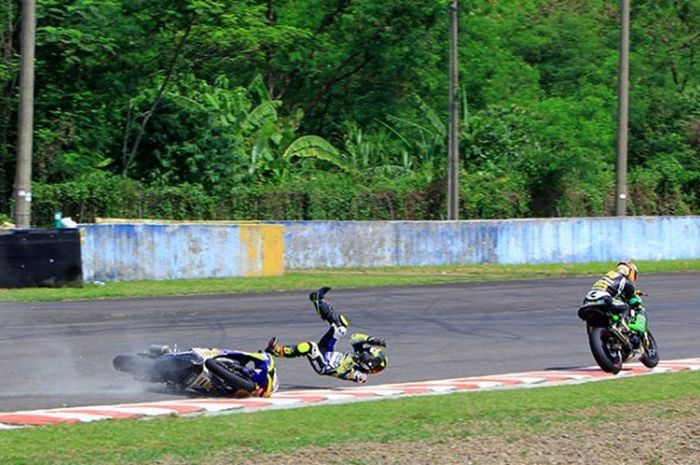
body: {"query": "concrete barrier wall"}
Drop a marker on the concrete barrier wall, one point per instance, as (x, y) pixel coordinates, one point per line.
(322, 244)
(125, 252)
(122, 252)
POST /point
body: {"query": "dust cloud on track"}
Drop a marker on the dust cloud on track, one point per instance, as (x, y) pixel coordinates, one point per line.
(60, 354)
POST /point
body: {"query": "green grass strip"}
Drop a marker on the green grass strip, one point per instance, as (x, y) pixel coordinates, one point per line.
(201, 439)
(341, 278)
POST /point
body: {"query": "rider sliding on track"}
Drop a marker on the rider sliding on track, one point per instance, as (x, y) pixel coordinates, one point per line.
(368, 354)
(616, 290)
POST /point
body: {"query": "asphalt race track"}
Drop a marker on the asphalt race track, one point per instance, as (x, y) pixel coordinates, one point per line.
(59, 354)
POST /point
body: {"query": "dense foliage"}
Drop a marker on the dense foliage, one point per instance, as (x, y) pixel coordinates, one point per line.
(336, 109)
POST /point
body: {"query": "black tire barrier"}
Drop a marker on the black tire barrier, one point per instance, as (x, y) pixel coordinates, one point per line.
(40, 258)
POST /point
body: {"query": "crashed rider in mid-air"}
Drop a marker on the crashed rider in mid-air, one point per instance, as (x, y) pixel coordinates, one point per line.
(368, 354)
(616, 291)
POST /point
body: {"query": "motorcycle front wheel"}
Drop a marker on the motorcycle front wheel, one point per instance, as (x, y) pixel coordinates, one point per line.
(651, 353)
(231, 374)
(606, 349)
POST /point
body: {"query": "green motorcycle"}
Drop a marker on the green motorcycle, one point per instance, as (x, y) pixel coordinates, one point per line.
(612, 341)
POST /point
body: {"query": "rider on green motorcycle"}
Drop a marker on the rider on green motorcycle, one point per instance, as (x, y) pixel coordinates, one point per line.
(616, 290)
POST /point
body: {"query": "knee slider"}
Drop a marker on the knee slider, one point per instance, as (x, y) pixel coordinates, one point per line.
(308, 348)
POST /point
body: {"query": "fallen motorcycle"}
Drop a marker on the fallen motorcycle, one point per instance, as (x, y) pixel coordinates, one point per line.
(612, 341)
(193, 371)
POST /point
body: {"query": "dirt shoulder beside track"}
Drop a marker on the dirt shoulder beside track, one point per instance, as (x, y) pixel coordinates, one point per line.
(651, 434)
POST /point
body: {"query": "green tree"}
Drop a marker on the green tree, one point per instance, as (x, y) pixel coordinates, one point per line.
(258, 99)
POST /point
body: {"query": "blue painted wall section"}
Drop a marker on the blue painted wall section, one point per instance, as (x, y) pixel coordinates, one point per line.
(121, 252)
(329, 244)
(124, 252)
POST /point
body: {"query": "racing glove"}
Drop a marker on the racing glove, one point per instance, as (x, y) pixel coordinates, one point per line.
(360, 377)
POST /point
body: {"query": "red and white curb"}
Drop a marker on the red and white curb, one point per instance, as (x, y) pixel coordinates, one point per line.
(292, 399)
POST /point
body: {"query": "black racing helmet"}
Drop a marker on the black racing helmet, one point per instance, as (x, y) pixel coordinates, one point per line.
(372, 360)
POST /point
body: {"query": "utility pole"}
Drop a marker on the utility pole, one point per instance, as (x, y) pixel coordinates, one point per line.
(23, 173)
(453, 136)
(623, 110)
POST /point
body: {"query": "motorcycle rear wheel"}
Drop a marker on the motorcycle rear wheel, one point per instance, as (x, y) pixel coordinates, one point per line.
(602, 342)
(651, 352)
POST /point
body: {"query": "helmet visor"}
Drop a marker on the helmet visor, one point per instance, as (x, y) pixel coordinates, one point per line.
(372, 361)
